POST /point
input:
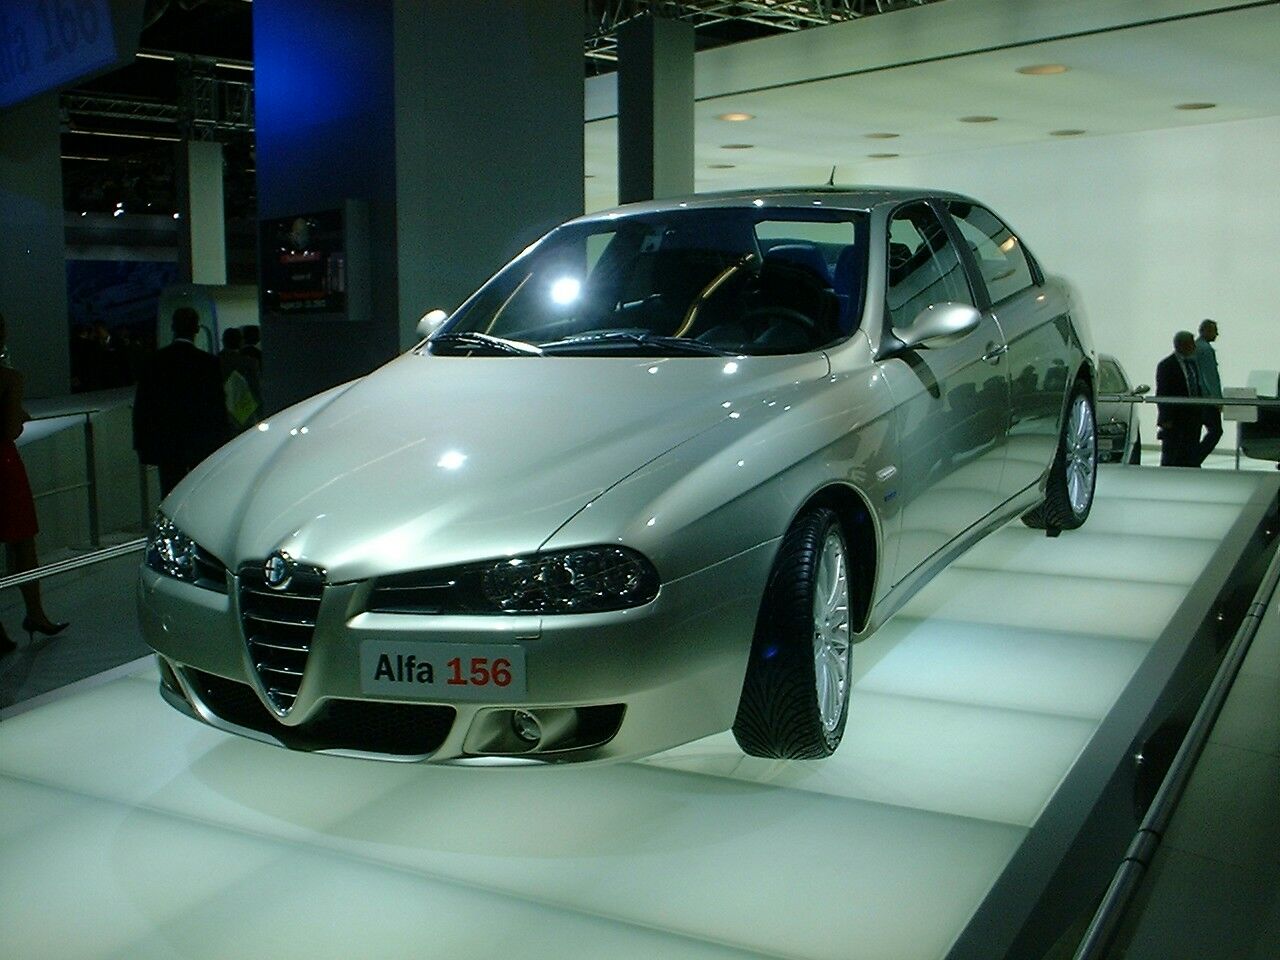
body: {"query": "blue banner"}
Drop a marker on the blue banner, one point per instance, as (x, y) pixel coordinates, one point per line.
(45, 44)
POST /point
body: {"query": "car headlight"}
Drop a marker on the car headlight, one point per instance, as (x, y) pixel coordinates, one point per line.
(173, 553)
(586, 580)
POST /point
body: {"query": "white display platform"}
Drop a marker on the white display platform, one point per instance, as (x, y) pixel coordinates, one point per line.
(130, 831)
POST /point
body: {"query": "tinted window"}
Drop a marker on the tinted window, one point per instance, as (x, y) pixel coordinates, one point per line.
(1001, 259)
(923, 266)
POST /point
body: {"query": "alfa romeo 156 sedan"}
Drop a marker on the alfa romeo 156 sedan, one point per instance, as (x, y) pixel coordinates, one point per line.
(652, 481)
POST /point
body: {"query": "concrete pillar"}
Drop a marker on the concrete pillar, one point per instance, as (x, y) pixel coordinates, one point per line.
(459, 126)
(202, 232)
(655, 109)
(33, 269)
(489, 140)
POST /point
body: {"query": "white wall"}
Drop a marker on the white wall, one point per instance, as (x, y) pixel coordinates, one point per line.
(1156, 230)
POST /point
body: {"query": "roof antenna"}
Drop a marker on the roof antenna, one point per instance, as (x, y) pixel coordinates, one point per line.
(831, 180)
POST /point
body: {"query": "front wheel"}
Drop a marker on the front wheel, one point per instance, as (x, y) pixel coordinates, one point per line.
(1068, 495)
(795, 698)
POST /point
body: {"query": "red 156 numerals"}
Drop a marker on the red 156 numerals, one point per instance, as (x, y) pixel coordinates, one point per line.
(482, 673)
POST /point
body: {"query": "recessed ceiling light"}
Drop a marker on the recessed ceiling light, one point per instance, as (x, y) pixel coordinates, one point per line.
(1195, 106)
(1043, 69)
(979, 118)
(736, 117)
(880, 136)
(737, 146)
(881, 156)
(1065, 133)
(719, 166)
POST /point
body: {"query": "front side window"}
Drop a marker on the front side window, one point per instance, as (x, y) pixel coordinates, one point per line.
(675, 282)
(923, 265)
(1001, 259)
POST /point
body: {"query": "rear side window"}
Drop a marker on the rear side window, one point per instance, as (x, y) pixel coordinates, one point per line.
(1001, 260)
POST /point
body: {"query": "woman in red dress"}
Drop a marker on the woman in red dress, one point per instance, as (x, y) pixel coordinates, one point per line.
(17, 509)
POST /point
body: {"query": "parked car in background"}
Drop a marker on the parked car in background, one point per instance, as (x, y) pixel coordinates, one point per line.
(654, 480)
(1119, 433)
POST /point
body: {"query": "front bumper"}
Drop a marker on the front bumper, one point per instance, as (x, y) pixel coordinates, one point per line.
(603, 686)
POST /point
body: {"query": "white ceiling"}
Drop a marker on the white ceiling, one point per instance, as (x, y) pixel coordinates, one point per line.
(1121, 80)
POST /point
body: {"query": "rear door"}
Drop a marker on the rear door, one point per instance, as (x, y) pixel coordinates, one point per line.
(1037, 328)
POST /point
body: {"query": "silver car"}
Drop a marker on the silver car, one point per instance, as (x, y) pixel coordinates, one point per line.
(652, 481)
(1119, 436)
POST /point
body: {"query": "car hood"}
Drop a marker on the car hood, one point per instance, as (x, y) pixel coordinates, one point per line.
(432, 461)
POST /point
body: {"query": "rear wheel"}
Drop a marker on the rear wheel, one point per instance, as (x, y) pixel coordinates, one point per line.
(1074, 474)
(795, 698)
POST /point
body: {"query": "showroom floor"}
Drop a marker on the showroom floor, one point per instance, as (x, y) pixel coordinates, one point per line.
(1214, 888)
(160, 837)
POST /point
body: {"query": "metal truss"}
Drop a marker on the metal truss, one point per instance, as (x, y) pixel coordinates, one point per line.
(209, 108)
(604, 17)
(81, 104)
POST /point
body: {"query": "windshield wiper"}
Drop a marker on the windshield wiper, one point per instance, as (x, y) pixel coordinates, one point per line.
(471, 338)
(612, 338)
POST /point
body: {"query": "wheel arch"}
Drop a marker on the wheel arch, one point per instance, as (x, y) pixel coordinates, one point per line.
(858, 524)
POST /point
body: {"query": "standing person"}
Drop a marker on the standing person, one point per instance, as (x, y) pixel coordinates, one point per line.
(237, 380)
(1177, 376)
(1210, 386)
(179, 413)
(253, 351)
(252, 344)
(17, 508)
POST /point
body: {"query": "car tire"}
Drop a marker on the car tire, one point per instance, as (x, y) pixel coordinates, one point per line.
(795, 697)
(1074, 474)
(1135, 455)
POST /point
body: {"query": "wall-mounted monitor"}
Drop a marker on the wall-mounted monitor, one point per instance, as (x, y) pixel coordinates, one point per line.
(315, 265)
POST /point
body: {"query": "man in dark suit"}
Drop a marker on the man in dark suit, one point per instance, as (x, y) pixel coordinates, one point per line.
(179, 414)
(1177, 376)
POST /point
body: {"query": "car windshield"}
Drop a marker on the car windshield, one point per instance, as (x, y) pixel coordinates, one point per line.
(673, 283)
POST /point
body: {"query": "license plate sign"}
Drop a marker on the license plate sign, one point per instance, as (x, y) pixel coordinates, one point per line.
(442, 671)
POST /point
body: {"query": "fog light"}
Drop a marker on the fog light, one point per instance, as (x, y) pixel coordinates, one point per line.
(526, 726)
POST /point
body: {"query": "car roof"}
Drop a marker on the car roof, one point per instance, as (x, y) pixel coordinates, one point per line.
(831, 196)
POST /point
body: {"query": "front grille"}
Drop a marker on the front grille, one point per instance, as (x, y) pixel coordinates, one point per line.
(278, 627)
(367, 726)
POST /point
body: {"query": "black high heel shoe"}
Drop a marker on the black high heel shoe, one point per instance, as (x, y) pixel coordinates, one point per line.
(49, 629)
(7, 646)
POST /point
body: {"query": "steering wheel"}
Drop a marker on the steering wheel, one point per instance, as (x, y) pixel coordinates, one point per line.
(758, 318)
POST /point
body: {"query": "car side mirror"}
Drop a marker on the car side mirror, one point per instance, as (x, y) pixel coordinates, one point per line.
(939, 325)
(430, 323)
(1141, 389)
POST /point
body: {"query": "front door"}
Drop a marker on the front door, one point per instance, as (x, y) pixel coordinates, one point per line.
(951, 401)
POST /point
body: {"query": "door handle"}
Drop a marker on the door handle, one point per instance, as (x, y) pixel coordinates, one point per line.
(994, 353)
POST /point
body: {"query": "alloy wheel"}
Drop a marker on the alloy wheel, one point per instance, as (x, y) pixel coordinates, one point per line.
(831, 630)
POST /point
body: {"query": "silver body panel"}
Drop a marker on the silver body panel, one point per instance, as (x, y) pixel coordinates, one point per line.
(698, 463)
